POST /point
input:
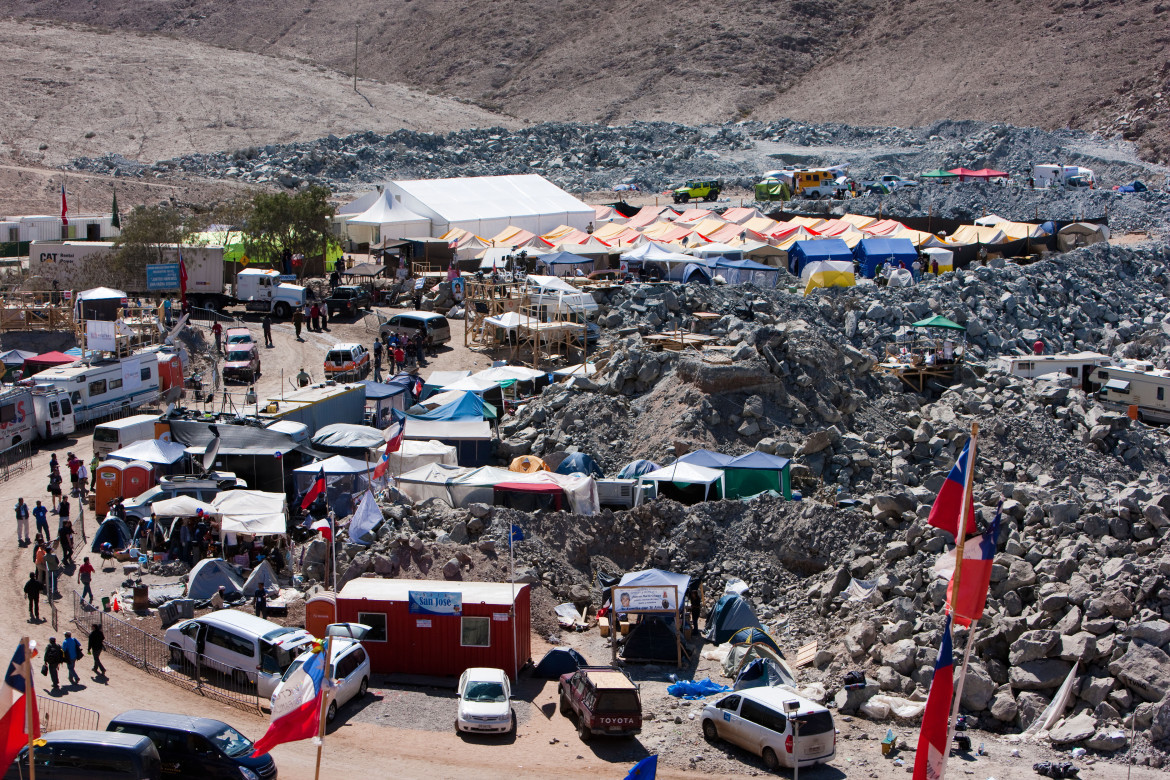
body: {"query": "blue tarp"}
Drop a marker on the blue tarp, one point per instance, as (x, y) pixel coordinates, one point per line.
(376, 391)
(696, 689)
(804, 252)
(706, 458)
(563, 258)
(469, 407)
(637, 468)
(579, 462)
(873, 253)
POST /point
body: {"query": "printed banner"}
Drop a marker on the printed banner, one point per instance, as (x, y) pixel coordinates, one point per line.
(425, 602)
(100, 336)
(162, 276)
(645, 598)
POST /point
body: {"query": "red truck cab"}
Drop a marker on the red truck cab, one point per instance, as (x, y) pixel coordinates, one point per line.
(604, 701)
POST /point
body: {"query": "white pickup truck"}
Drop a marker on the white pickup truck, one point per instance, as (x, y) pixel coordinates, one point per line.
(887, 183)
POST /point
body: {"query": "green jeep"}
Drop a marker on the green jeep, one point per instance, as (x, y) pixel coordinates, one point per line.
(698, 190)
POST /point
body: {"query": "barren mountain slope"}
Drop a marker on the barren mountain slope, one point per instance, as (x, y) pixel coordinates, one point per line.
(82, 92)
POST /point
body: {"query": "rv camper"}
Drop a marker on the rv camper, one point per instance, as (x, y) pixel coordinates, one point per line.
(1137, 388)
(1079, 365)
(29, 413)
(106, 388)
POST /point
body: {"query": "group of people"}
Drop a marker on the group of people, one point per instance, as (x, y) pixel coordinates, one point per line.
(315, 314)
(69, 652)
(402, 352)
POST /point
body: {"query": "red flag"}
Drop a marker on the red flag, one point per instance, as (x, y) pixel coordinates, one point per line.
(296, 711)
(64, 207)
(14, 723)
(182, 281)
(948, 506)
(393, 444)
(931, 757)
(323, 527)
(978, 555)
(317, 489)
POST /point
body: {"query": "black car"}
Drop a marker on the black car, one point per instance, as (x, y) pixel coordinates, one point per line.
(347, 299)
(84, 755)
(197, 748)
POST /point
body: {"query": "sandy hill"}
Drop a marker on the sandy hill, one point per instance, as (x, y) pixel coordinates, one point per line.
(1086, 63)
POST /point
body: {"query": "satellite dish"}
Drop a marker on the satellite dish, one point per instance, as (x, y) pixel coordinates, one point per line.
(212, 449)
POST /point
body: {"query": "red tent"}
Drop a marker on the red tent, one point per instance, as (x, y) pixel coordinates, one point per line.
(529, 496)
(47, 360)
(966, 174)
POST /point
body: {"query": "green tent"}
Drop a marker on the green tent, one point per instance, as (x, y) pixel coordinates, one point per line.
(757, 472)
(938, 174)
(939, 321)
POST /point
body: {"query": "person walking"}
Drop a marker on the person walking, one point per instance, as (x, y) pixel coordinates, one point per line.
(420, 349)
(325, 315)
(54, 657)
(97, 643)
(315, 318)
(22, 536)
(55, 488)
(65, 540)
(168, 311)
(377, 361)
(82, 482)
(73, 653)
(217, 329)
(52, 569)
(39, 560)
(63, 510)
(32, 591)
(298, 319)
(260, 603)
(266, 323)
(85, 577)
(73, 462)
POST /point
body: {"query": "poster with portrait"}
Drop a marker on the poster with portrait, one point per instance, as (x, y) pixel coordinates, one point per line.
(645, 598)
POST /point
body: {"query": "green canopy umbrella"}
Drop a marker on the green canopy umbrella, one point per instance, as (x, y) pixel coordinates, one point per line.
(939, 321)
(939, 173)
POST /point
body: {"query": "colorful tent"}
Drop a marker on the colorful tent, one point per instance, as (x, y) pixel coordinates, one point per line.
(938, 321)
(944, 257)
(828, 249)
(756, 472)
(873, 253)
(827, 273)
(939, 175)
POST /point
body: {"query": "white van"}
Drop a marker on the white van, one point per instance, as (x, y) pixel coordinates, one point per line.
(116, 434)
(765, 721)
(250, 648)
(410, 323)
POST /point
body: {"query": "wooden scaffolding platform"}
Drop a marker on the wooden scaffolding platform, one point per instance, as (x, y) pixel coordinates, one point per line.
(483, 298)
(47, 310)
(922, 359)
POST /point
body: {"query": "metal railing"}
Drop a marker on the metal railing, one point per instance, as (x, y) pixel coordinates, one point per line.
(189, 670)
(56, 715)
(15, 460)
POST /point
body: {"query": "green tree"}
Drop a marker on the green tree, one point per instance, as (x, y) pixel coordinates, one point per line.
(146, 232)
(299, 223)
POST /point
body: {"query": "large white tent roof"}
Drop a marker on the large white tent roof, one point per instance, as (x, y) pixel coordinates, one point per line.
(485, 205)
(384, 212)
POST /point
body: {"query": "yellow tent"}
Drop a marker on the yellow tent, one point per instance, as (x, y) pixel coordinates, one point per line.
(944, 257)
(761, 225)
(528, 464)
(609, 230)
(557, 234)
(859, 221)
(827, 273)
(977, 234)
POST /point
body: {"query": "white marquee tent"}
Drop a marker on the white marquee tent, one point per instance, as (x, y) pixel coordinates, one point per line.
(485, 205)
(384, 219)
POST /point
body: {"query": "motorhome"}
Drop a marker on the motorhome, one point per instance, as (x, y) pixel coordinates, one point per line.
(30, 413)
(106, 388)
(116, 434)
(1079, 365)
(1136, 388)
(1045, 176)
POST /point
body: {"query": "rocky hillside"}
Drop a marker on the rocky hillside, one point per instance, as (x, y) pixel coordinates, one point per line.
(1091, 64)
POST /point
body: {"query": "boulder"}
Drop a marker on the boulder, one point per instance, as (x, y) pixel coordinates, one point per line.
(1107, 740)
(849, 700)
(1160, 724)
(1039, 675)
(1081, 646)
(1155, 632)
(860, 638)
(1145, 670)
(1020, 574)
(978, 689)
(901, 656)
(1074, 729)
(1003, 705)
(1032, 645)
(452, 570)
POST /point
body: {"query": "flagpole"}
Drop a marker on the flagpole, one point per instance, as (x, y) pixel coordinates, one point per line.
(960, 543)
(29, 693)
(325, 680)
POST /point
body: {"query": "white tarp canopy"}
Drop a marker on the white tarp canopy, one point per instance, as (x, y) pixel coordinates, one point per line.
(472, 385)
(485, 205)
(459, 487)
(181, 506)
(388, 215)
(509, 374)
(251, 512)
(652, 251)
(687, 474)
(416, 454)
(155, 451)
(511, 320)
(557, 297)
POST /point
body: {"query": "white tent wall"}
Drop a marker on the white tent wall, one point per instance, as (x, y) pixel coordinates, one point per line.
(485, 205)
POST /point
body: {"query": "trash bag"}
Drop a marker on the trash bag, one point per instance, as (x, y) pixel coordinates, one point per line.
(696, 689)
(1057, 769)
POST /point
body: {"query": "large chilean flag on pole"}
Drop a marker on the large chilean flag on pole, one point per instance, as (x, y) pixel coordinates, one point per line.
(316, 489)
(948, 506)
(296, 711)
(15, 724)
(978, 555)
(394, 436)
(931, 758)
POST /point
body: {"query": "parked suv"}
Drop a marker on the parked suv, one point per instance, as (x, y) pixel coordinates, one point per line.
(196, 748)
(411, 323)
(249, 648)
(347, 299)
(604, 701)
(347, 362)
(85, 755)
(241, 363)
(350, 667)
(698, 190)
(764, 721)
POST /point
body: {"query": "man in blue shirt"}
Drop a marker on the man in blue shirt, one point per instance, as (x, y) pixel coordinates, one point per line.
(41, 513)
(73, 654)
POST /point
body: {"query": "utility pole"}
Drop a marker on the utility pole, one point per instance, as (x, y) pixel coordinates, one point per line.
(355, 55)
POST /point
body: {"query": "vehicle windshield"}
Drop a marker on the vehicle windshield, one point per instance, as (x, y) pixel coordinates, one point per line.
(618, 701)
(292, 668)
(241, 338)
(484, 692)
(239, 356)
(231, 742)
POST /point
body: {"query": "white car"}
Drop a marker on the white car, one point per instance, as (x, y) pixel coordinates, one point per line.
(777, 725)
(485, 704)
(349, 668)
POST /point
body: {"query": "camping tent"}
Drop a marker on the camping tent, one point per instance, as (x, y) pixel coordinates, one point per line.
(944, 257)
(729, 614)
(938, 321)
(262, 576)
(872, 253)
(527, 464)
(756, 472)
(653, 639)
(112, 531)
(1080, 234)
(558, 661)
(752, 635)
(416, 454)
(208, 575)
(181, 506)
(827, 273)
(747, 272)
(346, 479)
(565, 264)
(742, 653)
(468, 406)
(580, 463)
(355, 441)
(251, 512)
(825, 249)
(637, 468)
(682, 477)
(762, 672)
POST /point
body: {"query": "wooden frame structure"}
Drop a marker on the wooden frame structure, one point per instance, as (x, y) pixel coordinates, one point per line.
(39, 310)
(483, 298)
(922, 359)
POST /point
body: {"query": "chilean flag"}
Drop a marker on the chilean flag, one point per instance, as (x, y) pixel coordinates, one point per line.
(15, 727)
(324, 528)
(394, 436)
(317, 489)
(978, 555)
(296, 711)
(947, 509)
(931, 757)
(182, 281)
(64, 207)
